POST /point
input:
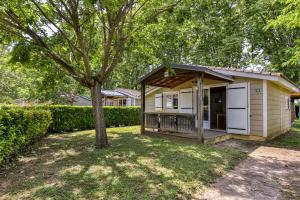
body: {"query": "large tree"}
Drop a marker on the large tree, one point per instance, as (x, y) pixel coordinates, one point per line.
(85, 38)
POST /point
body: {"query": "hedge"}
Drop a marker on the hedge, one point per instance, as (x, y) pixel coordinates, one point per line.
(70, 118)
(19, 128)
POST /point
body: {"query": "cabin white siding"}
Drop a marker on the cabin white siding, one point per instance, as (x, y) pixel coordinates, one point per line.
(279, 115)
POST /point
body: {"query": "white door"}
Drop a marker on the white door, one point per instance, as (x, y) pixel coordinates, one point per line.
(186, 100)
(238, 108)
(158, 102)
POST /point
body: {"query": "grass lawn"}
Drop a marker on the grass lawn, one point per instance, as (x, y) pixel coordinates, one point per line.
(67, 166)
(290, 139)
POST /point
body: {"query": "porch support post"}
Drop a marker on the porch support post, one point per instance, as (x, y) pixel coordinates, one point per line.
(142, 108)
(200, 98)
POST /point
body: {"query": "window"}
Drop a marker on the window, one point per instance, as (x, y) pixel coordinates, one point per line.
(172, 101)
(158, 102)
(169, 101)
(175, 101)
(122, 102)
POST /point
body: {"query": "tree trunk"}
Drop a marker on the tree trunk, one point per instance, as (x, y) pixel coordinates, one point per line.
(101, 137)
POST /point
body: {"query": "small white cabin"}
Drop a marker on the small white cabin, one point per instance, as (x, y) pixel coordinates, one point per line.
(241, 103)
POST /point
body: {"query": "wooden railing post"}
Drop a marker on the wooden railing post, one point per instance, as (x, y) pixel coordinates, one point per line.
(200, 98)
(143, 108)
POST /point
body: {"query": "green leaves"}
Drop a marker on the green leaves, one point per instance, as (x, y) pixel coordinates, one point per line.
(288, 22)
(19, 128)
(70, 118)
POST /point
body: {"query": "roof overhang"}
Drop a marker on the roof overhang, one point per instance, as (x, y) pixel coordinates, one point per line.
(295, 95)
(279, 79)
(180, 74)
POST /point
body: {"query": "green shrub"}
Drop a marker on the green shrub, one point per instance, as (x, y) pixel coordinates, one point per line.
(19, 128)
(70, 118)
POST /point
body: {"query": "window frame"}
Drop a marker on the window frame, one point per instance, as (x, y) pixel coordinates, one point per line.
(171, 96)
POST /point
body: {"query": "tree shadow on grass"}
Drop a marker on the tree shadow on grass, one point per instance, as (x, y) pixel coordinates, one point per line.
(133, 167)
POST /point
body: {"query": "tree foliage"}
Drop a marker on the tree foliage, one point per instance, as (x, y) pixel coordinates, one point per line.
(85, 38)
(226, 33)
(289, 21)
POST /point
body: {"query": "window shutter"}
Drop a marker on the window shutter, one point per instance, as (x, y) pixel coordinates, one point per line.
(158, 102)
(238, 111)
(186, 100)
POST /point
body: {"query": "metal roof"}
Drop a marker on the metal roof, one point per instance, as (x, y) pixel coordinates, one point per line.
(111, 93)
(129, 92)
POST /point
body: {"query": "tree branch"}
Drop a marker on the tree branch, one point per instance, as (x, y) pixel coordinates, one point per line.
(72, 46)
(77, 28)
(39, 42)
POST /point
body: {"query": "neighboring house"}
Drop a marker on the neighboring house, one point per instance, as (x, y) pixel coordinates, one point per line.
(132, 96)
(117, 97)
(243, 103)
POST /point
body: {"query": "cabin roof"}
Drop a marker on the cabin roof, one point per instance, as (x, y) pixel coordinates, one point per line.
(178, 74)
(157, 78)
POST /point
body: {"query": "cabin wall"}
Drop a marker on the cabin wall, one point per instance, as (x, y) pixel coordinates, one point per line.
(150, 99)
(256, 100)
(279, 115)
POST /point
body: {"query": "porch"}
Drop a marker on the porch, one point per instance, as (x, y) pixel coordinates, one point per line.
(180, 125)
(177, 115)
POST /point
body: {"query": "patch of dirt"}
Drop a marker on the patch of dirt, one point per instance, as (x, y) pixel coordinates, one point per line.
(242, 145)
(268, 173)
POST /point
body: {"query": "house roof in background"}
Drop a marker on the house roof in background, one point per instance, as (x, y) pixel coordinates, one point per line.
(129, 92)
(112, 93)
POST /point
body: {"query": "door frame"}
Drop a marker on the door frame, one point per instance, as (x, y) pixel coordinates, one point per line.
(206, 124)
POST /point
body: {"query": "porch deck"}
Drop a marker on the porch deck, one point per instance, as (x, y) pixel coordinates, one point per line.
(210, 136)
(180, 125)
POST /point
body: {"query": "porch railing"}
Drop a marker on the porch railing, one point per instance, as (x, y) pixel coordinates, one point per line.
(174, 122)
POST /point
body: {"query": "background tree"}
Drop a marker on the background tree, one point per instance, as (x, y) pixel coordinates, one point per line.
(271, 45)
(33, 80)
(289, 20)
(202, 32)
(227, 33)
(86, 39)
